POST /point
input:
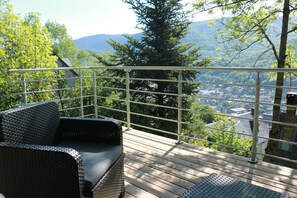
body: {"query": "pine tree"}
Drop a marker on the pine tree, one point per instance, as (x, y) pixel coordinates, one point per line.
(164, 23)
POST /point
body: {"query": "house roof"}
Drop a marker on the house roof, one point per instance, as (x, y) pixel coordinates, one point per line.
(245, 125)
(238, 110)
(65, 62)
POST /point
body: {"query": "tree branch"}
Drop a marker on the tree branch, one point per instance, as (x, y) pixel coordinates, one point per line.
(292, 30)
(240, 51)
(270, 42)
(223, 5)
(293, 8)
(264, 52)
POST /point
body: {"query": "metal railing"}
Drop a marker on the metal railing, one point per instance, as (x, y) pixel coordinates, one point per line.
(91, 95)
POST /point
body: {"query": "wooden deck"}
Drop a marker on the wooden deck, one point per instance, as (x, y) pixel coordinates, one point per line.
(156, 167)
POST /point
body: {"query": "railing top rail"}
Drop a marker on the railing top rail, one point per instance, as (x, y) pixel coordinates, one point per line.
(177, 68)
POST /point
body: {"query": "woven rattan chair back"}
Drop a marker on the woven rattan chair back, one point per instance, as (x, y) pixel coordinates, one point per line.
(31, 124)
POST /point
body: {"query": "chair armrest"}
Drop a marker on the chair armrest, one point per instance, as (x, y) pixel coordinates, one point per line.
(40, 171)
(91, 130)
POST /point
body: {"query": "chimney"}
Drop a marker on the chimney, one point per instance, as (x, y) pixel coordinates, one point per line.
(252, 112)
(252, 121)
(292, 98)
(291, 111)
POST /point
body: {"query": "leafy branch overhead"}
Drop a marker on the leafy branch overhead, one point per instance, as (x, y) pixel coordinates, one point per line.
(247, 23)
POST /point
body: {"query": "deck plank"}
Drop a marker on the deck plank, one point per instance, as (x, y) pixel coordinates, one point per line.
(156, 167)
(155, 180)
(135, 190)
(153, 189)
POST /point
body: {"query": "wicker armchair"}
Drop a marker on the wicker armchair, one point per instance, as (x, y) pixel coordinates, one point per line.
(43, 155)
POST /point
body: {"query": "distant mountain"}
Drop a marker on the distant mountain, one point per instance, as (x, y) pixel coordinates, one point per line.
(200, 33)
(98, 43)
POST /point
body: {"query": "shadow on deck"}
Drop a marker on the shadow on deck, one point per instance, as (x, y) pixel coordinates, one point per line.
(156, 167)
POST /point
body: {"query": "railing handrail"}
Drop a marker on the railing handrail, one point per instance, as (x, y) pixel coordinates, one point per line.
(177, 68)
(95, 70)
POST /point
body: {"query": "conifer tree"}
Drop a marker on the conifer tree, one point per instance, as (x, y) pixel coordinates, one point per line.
(164, 23)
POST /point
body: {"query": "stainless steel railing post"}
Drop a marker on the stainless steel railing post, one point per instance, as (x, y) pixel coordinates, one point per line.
(95, 93)
(179, 106)
(81, 94)
(128, 100)
(253, 158)
(24, 85)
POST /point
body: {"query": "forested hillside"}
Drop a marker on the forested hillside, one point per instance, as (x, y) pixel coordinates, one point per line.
(203, 35)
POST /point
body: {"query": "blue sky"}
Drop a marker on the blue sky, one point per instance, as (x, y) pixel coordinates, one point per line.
(84, 18)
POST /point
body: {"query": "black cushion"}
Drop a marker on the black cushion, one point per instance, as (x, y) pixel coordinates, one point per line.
(97, 159)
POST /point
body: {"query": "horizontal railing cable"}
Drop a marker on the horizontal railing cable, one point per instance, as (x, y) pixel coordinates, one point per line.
(154, 105)
(153, 79)
(153, 92)
(160, 68)
(111, 98)
(113, 109)
(154, 129)
(154, 117)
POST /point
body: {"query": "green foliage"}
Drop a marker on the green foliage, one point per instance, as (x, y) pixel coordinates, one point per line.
(24, 43)
(220, 136)
(214, 131)
(64, 47)
(62, 43)
(199, 116)
(203, 112)
(85, 58)
(290, 63)
(35, 41)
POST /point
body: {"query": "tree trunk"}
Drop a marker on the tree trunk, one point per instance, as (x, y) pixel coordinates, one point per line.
(272, 146)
